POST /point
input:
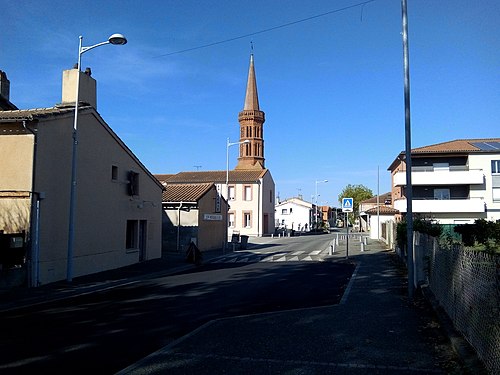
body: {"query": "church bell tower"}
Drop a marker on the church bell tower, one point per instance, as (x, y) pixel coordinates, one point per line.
(251, 121)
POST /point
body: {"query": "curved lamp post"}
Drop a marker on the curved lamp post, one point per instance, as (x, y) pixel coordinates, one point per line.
(229, 144)
(316, 198)
(117, 39)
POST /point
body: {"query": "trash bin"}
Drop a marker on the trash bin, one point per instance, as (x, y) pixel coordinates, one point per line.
(243, 242)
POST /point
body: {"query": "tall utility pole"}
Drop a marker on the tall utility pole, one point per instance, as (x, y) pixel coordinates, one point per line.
(409, 189)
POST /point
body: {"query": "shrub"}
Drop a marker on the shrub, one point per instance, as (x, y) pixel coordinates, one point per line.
(419, 225)
(482, 231)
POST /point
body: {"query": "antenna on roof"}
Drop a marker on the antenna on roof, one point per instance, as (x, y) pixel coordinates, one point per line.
(197, 167)
(251, 46)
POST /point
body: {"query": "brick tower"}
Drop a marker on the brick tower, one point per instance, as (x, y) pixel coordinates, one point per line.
(251, 121)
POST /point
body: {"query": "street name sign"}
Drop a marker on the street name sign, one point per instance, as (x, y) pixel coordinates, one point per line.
(347, 204)
(212, 217)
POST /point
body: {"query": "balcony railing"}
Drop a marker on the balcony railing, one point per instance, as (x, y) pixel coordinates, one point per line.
(463, 205)
(454, 175)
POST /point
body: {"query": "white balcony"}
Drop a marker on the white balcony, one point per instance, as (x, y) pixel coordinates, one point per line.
(438, 176)
(473, 205)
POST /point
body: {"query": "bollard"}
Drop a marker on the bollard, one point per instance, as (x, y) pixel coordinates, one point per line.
(332, 248)
(272, 235)
(337, 240)
(365, 240)
(362, 246)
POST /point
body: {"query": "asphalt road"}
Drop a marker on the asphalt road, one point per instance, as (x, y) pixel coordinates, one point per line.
(106, 331)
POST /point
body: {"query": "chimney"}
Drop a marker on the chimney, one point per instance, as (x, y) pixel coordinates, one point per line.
(4, 85)
(87, 89)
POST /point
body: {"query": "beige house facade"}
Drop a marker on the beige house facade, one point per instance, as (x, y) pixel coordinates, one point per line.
(193, 213)
(251, 197)
(118, 201)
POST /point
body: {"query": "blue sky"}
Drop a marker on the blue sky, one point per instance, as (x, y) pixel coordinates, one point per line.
(331, 87)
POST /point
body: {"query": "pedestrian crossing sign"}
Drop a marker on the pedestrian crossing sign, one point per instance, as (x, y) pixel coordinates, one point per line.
(347, 204)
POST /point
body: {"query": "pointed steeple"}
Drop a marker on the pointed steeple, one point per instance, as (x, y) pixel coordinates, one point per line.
(251, 121)
(251, 97)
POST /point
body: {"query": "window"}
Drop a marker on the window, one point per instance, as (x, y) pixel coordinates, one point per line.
(247, 220)
(441, 194)
(284, 211)
(495, 166)
(231, 220)
(232, 193)
(132, 235)
(114, 172)
(496, 194)
(441, 166)
(247, 193)
(133, 183)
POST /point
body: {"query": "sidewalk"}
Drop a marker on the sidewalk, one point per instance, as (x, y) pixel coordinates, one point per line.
(375, 330)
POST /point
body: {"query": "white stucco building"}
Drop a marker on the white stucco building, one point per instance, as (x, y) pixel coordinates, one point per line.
(294, 214)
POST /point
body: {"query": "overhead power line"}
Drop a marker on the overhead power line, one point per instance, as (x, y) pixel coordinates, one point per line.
(268, 29)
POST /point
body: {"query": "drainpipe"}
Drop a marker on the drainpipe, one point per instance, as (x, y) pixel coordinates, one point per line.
(34, 264)
(179, 227)
(259, 232)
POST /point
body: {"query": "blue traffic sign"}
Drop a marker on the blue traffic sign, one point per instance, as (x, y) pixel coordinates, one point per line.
(347, 204)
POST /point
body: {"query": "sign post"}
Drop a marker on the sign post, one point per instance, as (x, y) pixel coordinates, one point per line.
(347, 204)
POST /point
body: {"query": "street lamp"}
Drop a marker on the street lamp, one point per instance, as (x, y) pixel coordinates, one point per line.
(316, 197)
(117, 39)
(229, 144)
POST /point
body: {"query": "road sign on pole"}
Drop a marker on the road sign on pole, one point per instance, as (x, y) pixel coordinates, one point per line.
(347, 204)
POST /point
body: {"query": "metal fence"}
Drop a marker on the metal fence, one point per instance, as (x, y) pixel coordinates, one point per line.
(467, 285)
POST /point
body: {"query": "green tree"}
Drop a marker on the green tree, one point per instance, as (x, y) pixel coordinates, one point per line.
(358, 193)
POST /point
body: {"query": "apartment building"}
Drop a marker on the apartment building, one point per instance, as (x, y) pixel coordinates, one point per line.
(454, 182)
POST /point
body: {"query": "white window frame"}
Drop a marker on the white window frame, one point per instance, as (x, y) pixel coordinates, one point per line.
(247, 223)
(495, 193)
(247, 192)
(495, 167)
(231, 192)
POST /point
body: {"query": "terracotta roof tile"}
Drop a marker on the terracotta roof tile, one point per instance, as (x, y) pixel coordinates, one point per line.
(458, 145)
(30, 114)
(185, 192)
(384, 210)
(382, 198)
(163, 177)
(217, 176)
